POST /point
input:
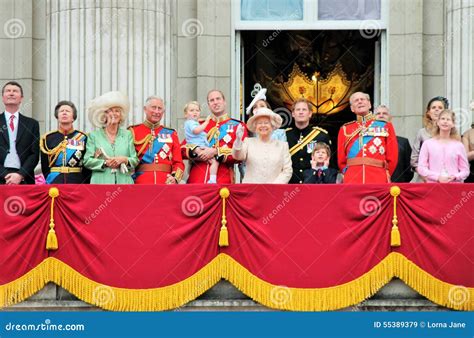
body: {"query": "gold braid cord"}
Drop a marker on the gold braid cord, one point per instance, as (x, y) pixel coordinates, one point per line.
(223, 234)
(52, 240)
(54, 153)
(146, 141)
(395, 239)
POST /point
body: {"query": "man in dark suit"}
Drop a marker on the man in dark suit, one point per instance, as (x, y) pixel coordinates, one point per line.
(19, 139)
(403, 172)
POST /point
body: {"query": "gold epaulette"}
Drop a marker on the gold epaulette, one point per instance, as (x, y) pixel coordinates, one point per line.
(83, 133)
(169, 128)
(321, 129)
(347, 123)
(43, 137)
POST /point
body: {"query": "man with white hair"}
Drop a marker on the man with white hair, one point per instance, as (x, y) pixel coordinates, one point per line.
(158, 148)
(367, 148)
(403, 172)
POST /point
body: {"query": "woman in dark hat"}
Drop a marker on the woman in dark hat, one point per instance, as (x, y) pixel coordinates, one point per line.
(63, 150)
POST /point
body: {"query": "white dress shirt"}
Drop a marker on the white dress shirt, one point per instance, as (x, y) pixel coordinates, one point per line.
(12, 160)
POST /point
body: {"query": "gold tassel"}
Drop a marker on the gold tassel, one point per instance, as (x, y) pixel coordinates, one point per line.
(52, 239)
(395, 239)
(224, 234)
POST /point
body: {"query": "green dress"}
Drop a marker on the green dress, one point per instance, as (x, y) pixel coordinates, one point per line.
(123, 146)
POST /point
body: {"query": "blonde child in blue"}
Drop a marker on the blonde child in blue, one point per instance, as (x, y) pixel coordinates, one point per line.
(195, 134)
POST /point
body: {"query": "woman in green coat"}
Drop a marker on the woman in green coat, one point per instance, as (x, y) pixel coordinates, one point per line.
(110, 153)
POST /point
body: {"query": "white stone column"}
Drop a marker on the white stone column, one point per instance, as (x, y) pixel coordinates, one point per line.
(459, 40)
(95, 46)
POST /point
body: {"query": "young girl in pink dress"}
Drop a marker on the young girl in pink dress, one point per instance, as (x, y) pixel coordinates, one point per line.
(443, 158)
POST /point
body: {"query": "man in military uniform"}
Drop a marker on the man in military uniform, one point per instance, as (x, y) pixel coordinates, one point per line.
(302, 138)
(158, 147)
(62, 150)
(221, 135)
(367, 148)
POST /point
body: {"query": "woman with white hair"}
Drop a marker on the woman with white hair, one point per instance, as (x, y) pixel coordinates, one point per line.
(267, 160)
(110, 153)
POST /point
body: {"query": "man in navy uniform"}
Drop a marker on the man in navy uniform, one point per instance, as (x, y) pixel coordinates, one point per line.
(302, 138)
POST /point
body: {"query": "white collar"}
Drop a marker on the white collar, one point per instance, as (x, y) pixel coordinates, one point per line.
(8, 114)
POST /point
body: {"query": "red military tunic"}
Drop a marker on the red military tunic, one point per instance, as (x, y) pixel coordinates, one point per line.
(159, 152)
(221, 135)
(367, 150)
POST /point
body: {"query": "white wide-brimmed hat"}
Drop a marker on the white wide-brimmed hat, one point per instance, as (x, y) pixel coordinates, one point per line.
(99, 105)
(275, 119)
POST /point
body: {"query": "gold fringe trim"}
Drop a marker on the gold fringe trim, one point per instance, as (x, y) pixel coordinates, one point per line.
(223, 266)
(341, 296)
(453, 296)
(305, 299)
(107, 297)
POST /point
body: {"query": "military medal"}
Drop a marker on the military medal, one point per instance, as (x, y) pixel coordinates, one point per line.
(227, 138)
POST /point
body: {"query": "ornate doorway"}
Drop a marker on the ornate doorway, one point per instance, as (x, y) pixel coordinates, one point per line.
(325, 67)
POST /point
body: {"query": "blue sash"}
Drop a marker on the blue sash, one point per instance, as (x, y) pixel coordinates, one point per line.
(155, 147)
(356, 147)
